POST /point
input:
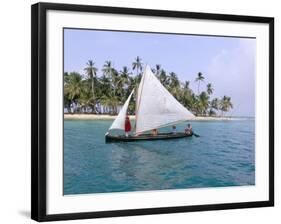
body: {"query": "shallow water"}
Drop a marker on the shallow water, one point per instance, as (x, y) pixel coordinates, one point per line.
(224, 155)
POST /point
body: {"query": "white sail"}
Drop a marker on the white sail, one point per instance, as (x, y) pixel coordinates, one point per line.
(119, 122)
(156, 106)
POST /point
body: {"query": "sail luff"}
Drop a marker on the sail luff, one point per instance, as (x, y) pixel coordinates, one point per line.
(119, 122)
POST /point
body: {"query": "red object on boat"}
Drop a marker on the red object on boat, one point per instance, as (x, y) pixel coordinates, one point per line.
(127, 125)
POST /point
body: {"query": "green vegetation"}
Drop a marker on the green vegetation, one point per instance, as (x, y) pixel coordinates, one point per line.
(112, 88)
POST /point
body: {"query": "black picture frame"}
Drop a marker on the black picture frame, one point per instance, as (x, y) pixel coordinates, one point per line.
(38, 110)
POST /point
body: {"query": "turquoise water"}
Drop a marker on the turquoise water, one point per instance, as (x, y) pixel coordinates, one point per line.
(224, 155)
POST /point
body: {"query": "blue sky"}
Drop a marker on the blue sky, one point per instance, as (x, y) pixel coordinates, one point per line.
(226, 62)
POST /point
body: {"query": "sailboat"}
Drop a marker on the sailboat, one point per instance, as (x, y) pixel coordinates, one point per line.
(155, 108)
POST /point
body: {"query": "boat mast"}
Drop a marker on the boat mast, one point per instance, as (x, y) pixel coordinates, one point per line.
(138, 97)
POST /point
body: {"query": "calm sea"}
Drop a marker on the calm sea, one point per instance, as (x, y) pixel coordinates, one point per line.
(224, 155)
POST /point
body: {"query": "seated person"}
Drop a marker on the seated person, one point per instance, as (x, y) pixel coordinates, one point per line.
(174, 129)
(154, 132)
(188, 129)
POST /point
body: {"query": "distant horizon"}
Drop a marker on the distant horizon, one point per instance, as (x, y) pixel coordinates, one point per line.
(226, 62)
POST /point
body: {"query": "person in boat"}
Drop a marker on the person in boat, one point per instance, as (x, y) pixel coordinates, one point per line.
(154, 132)
(127, 126)
(174, 127)
(188, 129)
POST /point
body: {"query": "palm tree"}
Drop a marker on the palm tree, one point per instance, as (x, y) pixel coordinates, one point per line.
(163, 78)
(194, 104)
(105, 84)
(186, 95)
(225, 104)
(186, 88)
(108, 69)
(203, 102)
(123, 81)
(73, 87)
(110, 101)
(174, 80)
(214, 106)
(125, 73)
(157, 70)
(86, 100)
(134, 82)
(91, 72)
(186, 85)
(200, 78)
(174, 85)
(110, 73)
(65, 77)
(137, 64)
(212, 112)
(210, 89)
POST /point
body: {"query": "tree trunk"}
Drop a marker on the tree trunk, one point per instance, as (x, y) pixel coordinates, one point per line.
(93, 88)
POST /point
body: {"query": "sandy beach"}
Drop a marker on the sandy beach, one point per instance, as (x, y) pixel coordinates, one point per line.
(112, 117)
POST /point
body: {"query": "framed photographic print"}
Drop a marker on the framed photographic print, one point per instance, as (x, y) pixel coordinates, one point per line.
(140, 111)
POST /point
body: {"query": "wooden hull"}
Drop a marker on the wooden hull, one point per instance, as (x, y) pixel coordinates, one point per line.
(145, 137)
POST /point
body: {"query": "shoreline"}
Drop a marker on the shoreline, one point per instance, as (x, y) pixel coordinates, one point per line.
(132, 117)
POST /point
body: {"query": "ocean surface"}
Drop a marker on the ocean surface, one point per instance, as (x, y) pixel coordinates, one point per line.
(223, 155)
